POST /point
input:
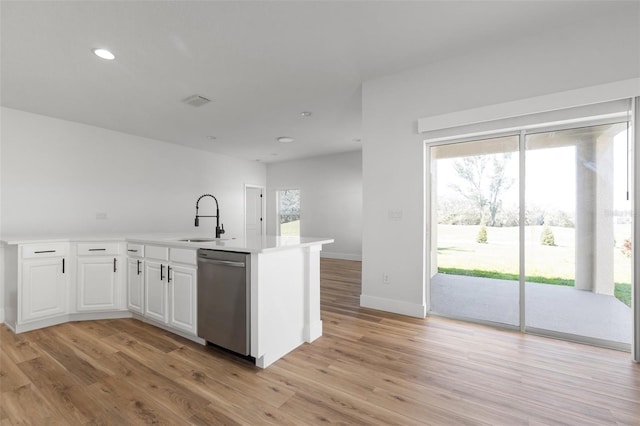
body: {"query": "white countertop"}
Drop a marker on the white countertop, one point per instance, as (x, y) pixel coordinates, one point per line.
(248, 245)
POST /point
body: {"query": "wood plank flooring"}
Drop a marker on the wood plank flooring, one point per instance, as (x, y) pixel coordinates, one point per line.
(369, 367)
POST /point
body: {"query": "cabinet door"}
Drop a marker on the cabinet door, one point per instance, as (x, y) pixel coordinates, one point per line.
(135, 285)
(155, 292)
(182, 296)
(97, 283)
(44, 288)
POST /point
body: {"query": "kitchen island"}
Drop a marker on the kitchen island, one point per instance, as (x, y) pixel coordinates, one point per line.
(50, 280)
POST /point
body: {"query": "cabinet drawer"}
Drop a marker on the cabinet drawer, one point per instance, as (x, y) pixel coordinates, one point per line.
(97, 249)
(30, 251)
(157, 252)
(187, 256)
(135, 250)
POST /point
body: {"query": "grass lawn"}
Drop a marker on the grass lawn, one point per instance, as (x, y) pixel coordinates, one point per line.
(499, 258)
(290, 229)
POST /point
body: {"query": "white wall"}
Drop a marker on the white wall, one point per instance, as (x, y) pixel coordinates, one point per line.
(56, 175)
(330, 199)
(590, 53)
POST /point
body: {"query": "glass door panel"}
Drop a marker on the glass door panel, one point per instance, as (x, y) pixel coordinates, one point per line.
(289, 212)
(474, 230)
(578, 233)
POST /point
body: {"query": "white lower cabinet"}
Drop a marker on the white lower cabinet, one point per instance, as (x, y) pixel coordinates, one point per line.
(135, 285)
(51, 283)
(155, 290)
(182, 298)
(44, 288)
(170, 277)
(99, 284)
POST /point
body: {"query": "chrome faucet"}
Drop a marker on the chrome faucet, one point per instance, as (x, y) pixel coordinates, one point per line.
(219, 228)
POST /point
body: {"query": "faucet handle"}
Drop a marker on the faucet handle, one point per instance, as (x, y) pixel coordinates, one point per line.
(222, 229)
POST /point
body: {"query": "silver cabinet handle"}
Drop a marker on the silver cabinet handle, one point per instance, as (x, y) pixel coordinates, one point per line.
(222, 262)
(99, 249)
(168, 274)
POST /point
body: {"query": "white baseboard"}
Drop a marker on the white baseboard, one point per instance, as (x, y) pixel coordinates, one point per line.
(312, 331)
(181, 333)
(82, 316)
(395, 306)
(342, 256)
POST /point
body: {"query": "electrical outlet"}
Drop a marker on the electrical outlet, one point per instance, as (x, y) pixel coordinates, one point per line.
(385, 278)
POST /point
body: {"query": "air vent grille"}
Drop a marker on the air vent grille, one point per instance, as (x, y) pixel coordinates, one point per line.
(196, 100)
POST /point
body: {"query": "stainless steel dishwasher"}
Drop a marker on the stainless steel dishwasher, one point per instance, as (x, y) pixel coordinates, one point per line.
(224, 298)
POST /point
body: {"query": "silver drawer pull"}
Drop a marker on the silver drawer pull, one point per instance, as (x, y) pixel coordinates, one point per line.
(44, 251)
(101, 249)
(135, 251)
(222, 262)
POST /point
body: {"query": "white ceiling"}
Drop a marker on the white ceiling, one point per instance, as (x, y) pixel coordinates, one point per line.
(261, 63)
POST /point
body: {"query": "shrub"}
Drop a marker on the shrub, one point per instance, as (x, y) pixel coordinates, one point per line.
(482, 235)
(626, 247)
(547, 238)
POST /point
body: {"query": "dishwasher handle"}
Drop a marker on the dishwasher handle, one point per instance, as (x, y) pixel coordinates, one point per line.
(222, 262)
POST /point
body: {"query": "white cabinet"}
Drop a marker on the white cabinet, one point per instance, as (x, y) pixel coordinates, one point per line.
(55, 282)
(182, 296)
(155, 293)
(170, 287)
(135, 285)
(44, 289)
(135, 278)
(98, 280)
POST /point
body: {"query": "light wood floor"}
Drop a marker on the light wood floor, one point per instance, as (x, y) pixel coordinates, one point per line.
(368, 368)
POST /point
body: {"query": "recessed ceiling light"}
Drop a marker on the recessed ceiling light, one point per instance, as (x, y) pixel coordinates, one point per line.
(305, 114)
(285, 139)
(196, 100)
(211, 137)
(104, 54)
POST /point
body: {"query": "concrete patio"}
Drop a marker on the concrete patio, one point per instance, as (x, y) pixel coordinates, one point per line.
(550, 307)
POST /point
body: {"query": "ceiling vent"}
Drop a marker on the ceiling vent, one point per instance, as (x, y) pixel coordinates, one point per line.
(196, 100)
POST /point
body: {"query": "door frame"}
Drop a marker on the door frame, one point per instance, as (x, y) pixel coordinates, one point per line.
(521, 132)
(263, 206)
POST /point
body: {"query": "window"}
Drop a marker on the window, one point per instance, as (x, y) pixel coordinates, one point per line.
(289, 212)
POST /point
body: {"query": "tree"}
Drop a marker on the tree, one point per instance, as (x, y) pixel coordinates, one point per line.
(482, 235)
(289, 209)
(547, 238)
(485, 180)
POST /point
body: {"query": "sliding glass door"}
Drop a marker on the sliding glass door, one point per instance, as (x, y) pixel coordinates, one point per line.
(474, 230)
(534, 231)
(578, 233)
